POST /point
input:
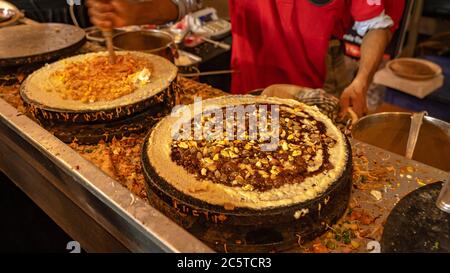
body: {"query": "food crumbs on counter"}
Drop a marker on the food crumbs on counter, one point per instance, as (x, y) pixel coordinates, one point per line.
(355, 244)
(391, 169)
(132, 199)
(330, 245)
(376, 194)
(435, 246)
(319, 248)
(362, 216)
(397, 197)
(420, 182)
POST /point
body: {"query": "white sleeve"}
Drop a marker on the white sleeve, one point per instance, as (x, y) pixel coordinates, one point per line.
(187, 6)
(381, 21)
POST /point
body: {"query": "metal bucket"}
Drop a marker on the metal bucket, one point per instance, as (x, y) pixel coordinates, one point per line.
(390, 131)
(150, 41)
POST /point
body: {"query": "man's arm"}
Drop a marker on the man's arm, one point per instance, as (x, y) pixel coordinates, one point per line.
(118, 13)
(372, 22)
(372, 50)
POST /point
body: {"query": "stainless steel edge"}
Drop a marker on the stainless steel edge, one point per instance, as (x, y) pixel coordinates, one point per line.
(90, 206)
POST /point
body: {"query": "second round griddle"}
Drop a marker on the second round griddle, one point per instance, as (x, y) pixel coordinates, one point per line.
(25, 44)
(417, 225)
(43, 100)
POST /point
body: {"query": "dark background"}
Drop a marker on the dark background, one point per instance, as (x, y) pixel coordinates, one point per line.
(53, 11)
(437, 8)
(24, 227)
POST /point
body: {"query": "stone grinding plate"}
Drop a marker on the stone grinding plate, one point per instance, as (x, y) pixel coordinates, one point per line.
(26, 44)
(416, 224)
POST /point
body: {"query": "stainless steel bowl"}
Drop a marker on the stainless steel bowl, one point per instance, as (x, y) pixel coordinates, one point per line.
(95, 34)
(390, 131)
(150, 41)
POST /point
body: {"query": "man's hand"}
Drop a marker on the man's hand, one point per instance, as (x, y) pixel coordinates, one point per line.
(355, 96)
(107, 14)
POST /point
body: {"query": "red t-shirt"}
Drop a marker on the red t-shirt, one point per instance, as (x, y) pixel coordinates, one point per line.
(286, 41)
(393, 8)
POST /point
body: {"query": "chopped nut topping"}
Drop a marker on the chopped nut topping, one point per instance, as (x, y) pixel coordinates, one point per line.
(302, 151)
(183, 145)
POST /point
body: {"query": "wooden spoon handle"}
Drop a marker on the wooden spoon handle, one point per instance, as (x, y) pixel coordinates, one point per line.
(109, 45)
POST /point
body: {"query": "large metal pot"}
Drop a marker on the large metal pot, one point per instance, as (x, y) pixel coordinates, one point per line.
(150, 41)
(390, 131)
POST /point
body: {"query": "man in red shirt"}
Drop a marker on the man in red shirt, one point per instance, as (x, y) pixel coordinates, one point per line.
(341, 69)
(275, 41)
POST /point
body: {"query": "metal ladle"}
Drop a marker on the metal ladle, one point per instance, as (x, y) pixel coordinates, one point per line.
(443, 201)
(416, 124)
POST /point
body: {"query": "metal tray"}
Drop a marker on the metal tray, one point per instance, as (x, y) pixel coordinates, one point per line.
(86, 203)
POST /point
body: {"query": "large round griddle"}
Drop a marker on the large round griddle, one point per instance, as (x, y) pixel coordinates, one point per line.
(244, 229)
(25, 44)
(46, 104)
(416, 224)
(249, 230)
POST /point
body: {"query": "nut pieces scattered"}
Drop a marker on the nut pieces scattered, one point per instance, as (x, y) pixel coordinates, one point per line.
(302, 150)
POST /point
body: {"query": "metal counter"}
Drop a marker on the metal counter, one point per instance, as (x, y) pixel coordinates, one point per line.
(87, 204)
